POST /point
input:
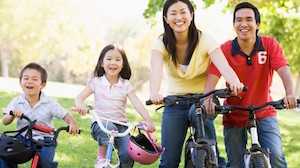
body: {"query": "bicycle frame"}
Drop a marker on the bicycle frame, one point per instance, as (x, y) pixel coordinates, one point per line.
(112, 135)
(198, 137)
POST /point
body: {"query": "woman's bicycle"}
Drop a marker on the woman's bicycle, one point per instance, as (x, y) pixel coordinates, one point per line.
(256, 156)
(19, 146)
(200, 152)
(141, 148)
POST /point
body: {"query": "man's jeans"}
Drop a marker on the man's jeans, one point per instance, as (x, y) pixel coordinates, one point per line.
(175, 123)
(269, 139)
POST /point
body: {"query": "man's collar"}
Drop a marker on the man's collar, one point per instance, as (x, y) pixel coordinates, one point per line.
(236, 50)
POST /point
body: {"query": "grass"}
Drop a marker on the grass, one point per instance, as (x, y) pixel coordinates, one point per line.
(80, 151)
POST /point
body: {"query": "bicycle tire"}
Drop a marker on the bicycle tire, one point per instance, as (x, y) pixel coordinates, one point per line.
(258, 160)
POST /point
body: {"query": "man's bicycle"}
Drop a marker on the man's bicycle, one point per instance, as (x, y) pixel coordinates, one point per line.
(19, 146)
(256, 156)
(200, 152)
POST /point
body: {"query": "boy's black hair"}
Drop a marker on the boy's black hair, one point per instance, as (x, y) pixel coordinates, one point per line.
(126, 70)
(36, 67)
(243, 5)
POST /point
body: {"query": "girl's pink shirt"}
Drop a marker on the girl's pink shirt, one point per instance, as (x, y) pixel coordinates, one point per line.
(110, 99)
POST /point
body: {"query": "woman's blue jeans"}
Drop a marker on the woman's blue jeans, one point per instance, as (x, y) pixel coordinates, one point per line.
(175, 123)
(269, 139)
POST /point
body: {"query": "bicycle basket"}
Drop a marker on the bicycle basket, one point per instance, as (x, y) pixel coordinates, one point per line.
(14, 150)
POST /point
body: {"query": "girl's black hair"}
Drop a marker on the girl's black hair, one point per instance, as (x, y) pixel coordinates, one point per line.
(36, 67)
(99, 70)
(169, 39)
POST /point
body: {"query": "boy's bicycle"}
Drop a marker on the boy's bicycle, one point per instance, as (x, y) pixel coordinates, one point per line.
(141, 148)
(256, 156)
(14, 149)
(200, 152)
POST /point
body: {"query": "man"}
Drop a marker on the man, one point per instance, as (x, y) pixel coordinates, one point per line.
(254, 58)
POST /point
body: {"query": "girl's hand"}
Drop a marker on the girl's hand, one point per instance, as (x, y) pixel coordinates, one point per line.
(156, 98)
(82, 111)
(149, 126)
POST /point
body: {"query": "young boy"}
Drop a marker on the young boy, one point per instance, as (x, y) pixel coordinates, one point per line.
(37, 106)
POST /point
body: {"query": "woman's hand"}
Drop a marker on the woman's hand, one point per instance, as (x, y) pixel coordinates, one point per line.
(156, 98)
(236, 87)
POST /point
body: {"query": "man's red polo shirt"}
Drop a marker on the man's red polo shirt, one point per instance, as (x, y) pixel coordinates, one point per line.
(254, 71)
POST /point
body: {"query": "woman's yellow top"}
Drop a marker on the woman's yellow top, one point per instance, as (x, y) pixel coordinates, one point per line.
(195, 75)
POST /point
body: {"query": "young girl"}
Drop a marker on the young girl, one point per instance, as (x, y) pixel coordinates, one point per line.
(110, 86)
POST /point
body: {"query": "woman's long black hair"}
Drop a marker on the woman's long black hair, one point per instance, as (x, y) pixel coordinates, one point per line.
(169, 39)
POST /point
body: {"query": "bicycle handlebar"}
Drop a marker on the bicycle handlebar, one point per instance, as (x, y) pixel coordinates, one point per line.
(42, 127)
(220, 93)
(279, 104)
(115, 133)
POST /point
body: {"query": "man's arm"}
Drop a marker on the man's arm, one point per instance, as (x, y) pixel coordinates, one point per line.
(286, 77)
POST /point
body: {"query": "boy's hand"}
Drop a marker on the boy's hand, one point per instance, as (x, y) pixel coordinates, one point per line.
(17, 113)
(73, 129)
(82, 111)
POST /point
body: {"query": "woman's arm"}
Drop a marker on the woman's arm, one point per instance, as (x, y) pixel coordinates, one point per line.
(156, 71)
(219, 60)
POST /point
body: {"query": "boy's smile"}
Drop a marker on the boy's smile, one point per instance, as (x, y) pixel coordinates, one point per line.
(31, 82)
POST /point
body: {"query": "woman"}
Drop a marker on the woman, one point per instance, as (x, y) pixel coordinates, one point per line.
(186, 53)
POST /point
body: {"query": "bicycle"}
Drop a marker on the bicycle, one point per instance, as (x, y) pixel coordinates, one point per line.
(15, 150)
(200, 152)
(256, 156)
(141, 148)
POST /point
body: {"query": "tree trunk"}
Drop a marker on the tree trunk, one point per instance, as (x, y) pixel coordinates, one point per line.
(297, 89)
(4, 56)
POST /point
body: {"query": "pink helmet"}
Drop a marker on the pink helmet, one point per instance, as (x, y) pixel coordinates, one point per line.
(143, 150)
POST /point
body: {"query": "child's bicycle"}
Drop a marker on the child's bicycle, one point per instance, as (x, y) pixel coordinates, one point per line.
(200, 152)
(256, 156)
(141, 148)
(17, 151)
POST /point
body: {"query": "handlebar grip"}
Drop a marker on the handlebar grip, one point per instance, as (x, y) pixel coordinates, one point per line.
(149, 102)
(222, 109)
(11, 113)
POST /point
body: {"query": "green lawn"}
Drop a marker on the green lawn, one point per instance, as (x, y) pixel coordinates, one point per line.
(80, 151)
